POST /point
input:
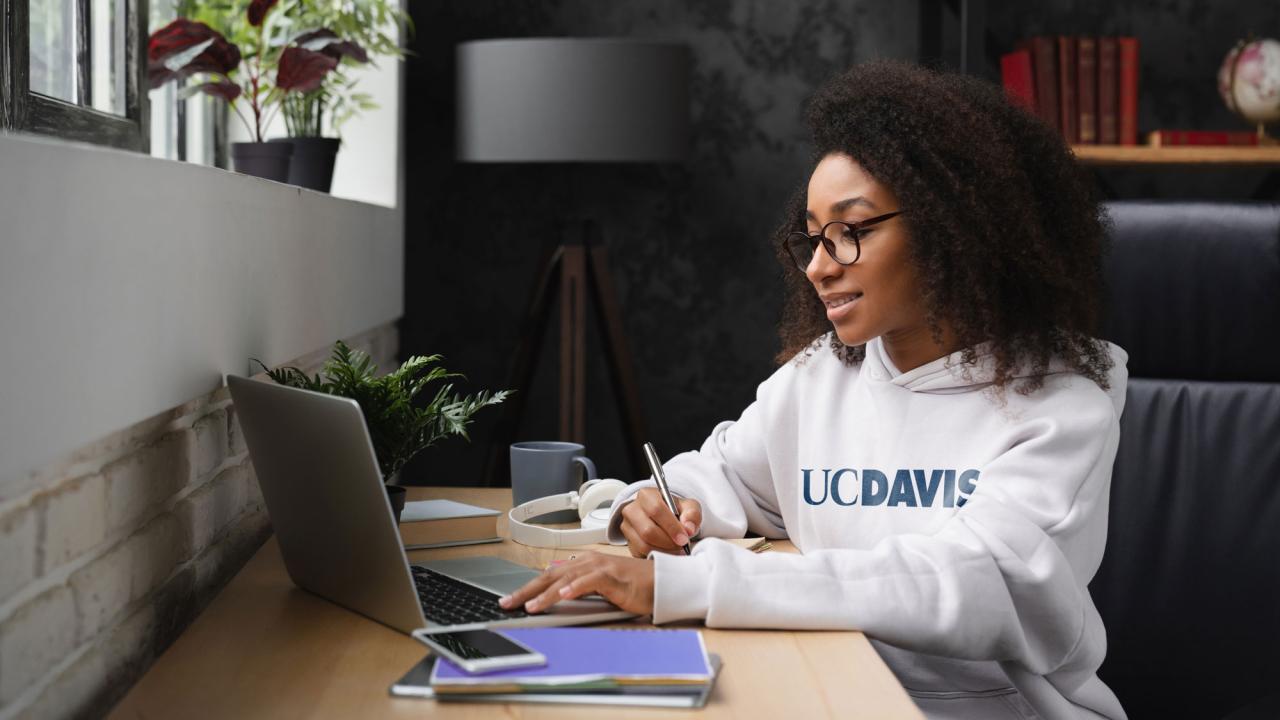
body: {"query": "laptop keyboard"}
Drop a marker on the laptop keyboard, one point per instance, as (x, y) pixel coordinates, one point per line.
(452, 602)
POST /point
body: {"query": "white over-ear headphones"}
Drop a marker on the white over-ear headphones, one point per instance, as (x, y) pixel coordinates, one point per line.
(593, 501)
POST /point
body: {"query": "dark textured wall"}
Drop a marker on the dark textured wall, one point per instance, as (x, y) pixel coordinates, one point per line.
(697, 280)
(698, 284)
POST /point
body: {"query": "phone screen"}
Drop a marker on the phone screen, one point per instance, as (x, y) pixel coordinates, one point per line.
(477, 644)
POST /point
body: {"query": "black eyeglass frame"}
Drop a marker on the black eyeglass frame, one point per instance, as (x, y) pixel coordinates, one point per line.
(821, 237)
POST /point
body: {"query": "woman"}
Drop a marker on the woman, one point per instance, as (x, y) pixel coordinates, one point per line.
(942, 454)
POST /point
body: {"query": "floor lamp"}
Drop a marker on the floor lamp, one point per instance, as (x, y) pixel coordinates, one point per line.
(572, 100)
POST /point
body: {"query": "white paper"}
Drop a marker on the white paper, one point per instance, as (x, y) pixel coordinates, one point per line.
(440, 510)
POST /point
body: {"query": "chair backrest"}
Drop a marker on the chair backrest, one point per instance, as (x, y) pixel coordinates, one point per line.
(1189, 587)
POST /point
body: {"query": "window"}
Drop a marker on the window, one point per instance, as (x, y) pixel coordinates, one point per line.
(75, 69)
(190, 129)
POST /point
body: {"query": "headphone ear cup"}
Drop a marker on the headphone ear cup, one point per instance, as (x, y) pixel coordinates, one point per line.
(598, 519)
(596, 493)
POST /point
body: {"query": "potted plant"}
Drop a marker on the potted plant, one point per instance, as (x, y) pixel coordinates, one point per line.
(352, 33)
(272, 70)
(399, 428)
(313, 154)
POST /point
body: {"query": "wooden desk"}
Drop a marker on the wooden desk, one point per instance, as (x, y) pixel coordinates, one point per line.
(264, 648)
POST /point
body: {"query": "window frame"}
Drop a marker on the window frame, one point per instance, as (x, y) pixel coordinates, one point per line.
(22, 109)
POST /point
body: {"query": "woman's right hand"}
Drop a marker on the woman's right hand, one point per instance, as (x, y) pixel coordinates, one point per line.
(648, 525)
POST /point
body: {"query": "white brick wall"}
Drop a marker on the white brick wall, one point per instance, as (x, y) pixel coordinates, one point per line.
(139, 482)
(73, 521)
(122, 544)
(234, 435)
(35, 638)
(72, 691)
(209, 509)
(210, 443)
(17, 551)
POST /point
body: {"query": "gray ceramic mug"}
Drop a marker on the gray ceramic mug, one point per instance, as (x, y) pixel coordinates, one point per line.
(542, 468)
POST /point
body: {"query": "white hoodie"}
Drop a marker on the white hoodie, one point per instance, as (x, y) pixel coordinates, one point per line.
(958, 533)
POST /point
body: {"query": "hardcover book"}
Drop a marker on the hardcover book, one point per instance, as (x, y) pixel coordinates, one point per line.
(441, 523)
(1068, 112)
(1044, 64)
(1087, 89)
(1017, 78)
(1167, 138)
(1128, 47)
(1108, 92)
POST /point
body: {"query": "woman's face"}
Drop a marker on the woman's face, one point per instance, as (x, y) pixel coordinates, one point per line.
(877, 295)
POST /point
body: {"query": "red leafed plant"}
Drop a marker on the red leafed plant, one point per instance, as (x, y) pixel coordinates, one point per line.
(303, 70)
(185, 47)
(258, 10)
(319, 89)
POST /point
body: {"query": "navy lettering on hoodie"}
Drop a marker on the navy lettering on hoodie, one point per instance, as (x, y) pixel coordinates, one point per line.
(926, 490)
(808, 496)
(902, 493)
(967, 486)
(835, 486)
(875, 486)
(909, 489)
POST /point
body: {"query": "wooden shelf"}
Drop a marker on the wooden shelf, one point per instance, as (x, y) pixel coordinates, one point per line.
(1198, 156)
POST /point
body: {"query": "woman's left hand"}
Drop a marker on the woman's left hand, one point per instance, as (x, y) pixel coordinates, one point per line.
(624, 581)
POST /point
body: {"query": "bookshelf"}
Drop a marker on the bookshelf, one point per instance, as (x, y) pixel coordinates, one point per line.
(1205, 156)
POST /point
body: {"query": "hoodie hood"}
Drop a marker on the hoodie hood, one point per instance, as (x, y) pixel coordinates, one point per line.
(950, 374)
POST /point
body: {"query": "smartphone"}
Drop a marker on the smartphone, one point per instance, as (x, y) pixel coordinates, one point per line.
(479, 650)
(416, 682)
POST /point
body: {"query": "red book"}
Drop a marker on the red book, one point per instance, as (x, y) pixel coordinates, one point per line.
(1019, 83)
(1108, 91)
(1128, 90)
(1087, 89)
(1068, 114)
(1165, 138)
(1043, 63)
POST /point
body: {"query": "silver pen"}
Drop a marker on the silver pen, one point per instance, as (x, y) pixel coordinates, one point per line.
(656, 466)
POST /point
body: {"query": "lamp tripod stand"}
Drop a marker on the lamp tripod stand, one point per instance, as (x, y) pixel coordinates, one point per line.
(578, 270)
(571, 100)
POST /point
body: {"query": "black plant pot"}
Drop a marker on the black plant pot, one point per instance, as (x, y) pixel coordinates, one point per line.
(262, 159)
(396, 494)
(312, 163)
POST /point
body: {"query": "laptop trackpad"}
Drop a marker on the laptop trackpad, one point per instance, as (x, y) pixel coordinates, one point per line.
(490, 573)
(503, 584)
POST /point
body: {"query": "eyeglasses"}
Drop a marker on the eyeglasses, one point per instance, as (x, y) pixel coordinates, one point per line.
(841, 239)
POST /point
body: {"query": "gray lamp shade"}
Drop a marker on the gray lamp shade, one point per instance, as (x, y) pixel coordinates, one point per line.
(572, 100)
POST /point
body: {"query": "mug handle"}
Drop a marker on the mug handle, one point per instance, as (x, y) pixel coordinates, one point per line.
(588, 467)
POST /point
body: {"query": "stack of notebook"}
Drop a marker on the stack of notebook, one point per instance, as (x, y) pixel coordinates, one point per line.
(665, 668)
(444, 523)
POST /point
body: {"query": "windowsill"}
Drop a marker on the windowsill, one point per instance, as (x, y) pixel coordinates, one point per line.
(210, 171)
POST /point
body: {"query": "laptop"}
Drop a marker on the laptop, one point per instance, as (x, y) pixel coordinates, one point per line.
(320, 479)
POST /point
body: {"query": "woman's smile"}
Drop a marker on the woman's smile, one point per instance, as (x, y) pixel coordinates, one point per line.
(840, 304)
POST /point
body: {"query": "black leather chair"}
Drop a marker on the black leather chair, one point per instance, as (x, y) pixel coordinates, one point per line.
(1189, 586)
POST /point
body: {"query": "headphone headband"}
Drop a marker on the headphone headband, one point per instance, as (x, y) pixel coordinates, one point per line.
(587, 500)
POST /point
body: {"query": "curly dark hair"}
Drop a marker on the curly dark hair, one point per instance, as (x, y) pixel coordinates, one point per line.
(1004, 227)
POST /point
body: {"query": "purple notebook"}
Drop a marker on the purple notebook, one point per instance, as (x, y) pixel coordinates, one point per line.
(576, 655)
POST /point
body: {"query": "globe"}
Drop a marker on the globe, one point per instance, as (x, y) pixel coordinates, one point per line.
(1249, 80)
